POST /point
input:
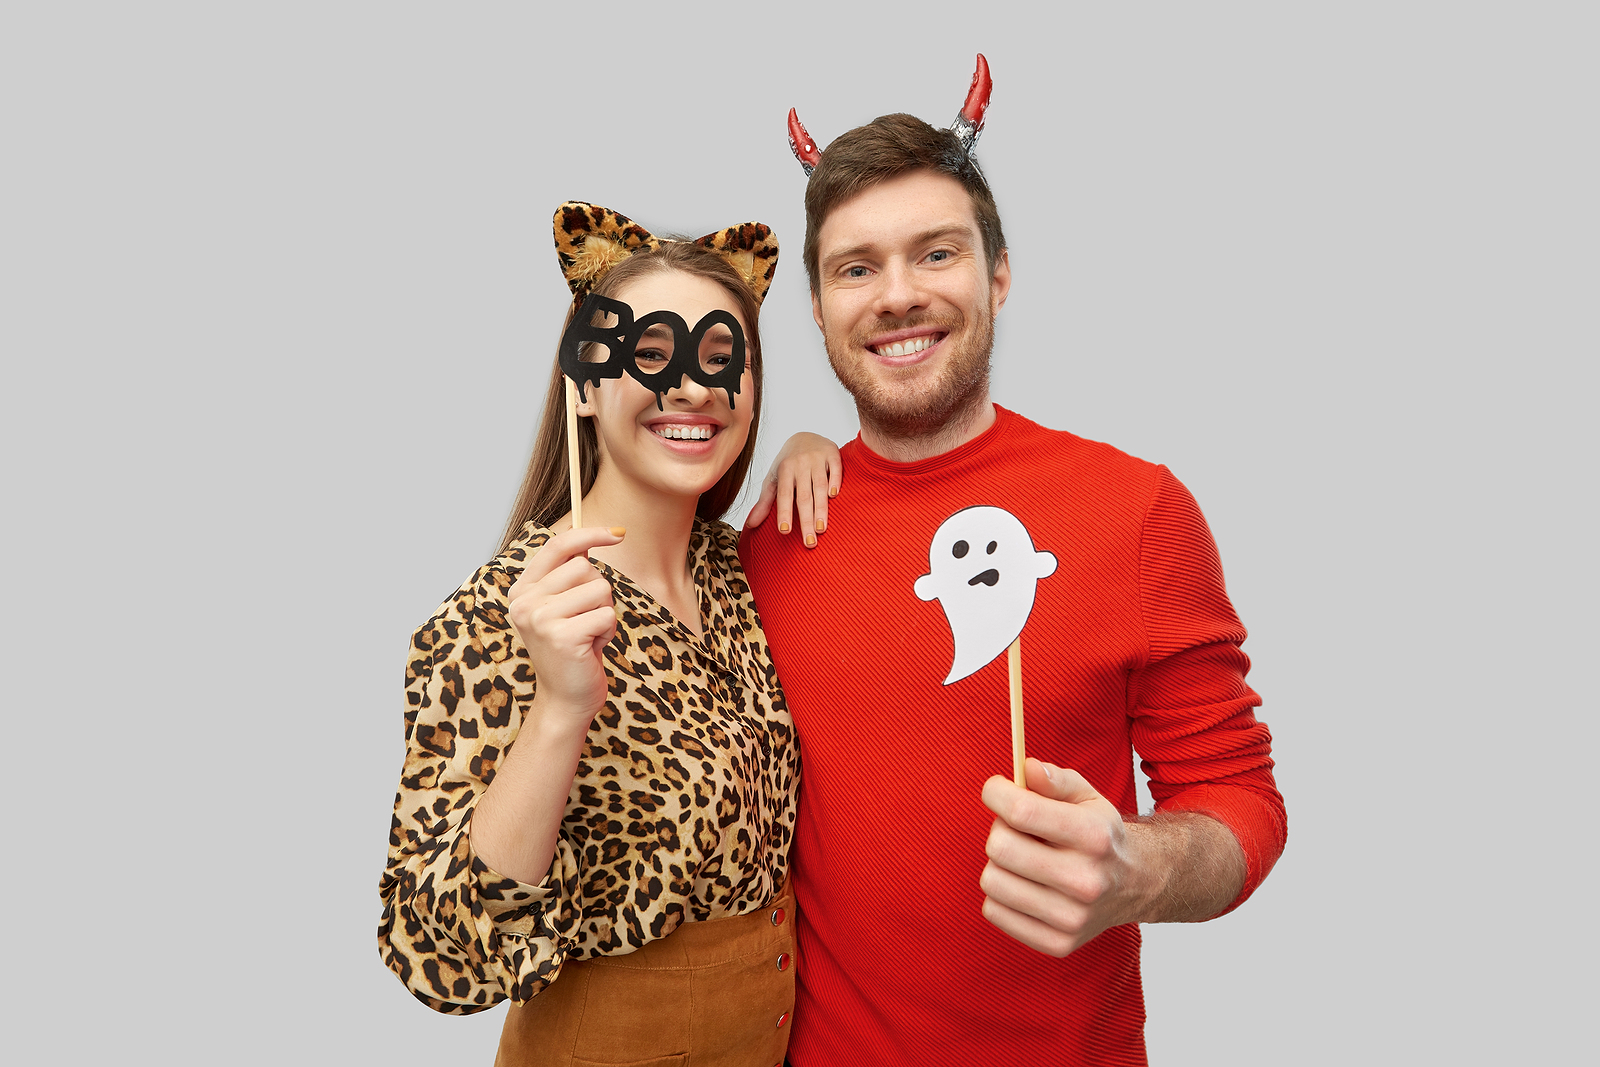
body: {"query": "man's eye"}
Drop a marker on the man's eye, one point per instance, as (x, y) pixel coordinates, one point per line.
(855, 272)
(938, 257)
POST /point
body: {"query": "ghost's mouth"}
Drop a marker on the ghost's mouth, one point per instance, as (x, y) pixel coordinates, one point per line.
(988, 577)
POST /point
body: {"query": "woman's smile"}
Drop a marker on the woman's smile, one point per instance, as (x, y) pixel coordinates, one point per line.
(686, 434)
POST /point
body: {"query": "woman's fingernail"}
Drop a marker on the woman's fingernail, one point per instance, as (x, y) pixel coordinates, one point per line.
(1049, 771)
(618, 531)
(810, 540)
(821, 526)
(832, 491)
(783, 527)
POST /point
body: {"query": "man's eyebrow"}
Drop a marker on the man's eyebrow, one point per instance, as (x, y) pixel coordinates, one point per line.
(925, 237)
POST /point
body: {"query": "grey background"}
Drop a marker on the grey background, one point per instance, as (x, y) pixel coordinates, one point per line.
(278, 302)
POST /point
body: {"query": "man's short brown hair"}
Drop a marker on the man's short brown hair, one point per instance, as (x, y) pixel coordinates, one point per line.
(887, 147)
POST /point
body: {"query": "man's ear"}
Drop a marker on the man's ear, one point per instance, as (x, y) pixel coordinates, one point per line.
(1000, 285)
(816, 312)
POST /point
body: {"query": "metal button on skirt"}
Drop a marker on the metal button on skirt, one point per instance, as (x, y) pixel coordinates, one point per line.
(710, 994)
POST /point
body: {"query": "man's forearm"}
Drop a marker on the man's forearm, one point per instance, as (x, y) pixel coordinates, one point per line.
(1191, 866)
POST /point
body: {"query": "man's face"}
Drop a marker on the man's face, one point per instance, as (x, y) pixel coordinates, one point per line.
(905, 301)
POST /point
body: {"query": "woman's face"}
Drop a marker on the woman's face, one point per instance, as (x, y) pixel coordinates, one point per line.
(683, 447)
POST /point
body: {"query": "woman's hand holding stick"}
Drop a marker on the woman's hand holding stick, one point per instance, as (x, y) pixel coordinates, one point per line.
(563, 610)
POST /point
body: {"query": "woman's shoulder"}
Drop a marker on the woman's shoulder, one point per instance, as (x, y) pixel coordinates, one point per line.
(721, 551)
(480, 602)
(718, 567)
(719, 535)
(515, 555)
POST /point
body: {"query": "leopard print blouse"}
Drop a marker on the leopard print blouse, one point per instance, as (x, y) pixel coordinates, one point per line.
(682, 808)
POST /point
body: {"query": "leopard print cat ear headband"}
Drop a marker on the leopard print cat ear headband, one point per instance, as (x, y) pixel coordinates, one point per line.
(967, 126)
(590, 240)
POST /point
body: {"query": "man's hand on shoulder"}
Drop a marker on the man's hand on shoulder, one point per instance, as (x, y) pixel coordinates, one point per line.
(801, 481)
(1064, 865)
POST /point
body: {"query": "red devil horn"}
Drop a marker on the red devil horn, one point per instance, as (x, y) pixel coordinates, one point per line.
(977, 101)
(800, 142)
(969, 120)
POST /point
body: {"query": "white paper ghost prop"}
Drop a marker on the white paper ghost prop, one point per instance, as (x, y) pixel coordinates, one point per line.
(983, 570)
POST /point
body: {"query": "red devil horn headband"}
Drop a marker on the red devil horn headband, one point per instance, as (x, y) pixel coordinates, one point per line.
(967, 126)
(801, 144)
(969, 120)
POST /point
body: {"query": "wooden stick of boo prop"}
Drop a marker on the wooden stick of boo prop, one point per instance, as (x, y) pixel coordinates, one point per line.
(983, 570)
(573, 479)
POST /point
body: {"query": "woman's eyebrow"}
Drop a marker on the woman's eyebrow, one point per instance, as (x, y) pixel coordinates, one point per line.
(657, 331)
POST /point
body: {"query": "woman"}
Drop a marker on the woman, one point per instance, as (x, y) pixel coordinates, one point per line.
(632, 846)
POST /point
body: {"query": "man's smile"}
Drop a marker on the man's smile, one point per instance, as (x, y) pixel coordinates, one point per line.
(905, 346)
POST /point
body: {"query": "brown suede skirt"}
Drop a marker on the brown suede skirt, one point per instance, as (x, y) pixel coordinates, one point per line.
(710, 994)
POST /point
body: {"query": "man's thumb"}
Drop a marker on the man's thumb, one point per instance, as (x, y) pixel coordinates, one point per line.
(1060, 783)
(769, 493)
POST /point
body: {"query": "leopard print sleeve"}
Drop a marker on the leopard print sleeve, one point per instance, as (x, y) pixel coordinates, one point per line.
(460, 936)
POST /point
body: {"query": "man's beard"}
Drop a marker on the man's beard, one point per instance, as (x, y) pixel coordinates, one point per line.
(914, 408)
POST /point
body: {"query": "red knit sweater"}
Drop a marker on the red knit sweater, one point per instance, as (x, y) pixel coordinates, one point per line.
(1132, 643)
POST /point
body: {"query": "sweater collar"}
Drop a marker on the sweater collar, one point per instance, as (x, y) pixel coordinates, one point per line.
(1004, 421)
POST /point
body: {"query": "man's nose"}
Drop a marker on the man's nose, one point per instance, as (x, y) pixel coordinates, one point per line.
(899, 291)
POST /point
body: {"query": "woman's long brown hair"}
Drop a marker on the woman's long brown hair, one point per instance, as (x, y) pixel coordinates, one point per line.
(545, 495)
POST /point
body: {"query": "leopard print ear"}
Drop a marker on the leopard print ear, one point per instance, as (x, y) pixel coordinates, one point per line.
(752, 249)
(590, 240)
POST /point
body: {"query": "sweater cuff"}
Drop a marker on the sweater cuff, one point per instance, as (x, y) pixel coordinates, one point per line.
(1256, 823)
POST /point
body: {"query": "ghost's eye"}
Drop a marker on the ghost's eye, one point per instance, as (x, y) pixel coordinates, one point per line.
(991, 548)
(959, 549)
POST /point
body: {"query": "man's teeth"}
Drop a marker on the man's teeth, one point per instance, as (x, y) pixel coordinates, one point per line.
(905, 348)
(685, 433)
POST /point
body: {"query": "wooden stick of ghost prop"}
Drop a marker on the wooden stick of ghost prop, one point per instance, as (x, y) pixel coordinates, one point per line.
(983, 570)
(1019, 747)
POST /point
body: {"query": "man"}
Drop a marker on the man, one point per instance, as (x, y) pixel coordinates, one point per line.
(946, 915)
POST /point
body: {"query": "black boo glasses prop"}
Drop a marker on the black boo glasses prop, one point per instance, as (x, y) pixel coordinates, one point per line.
(670, 351)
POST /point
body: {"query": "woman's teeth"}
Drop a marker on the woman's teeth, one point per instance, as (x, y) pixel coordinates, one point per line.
(685, 433)
(905, 348)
